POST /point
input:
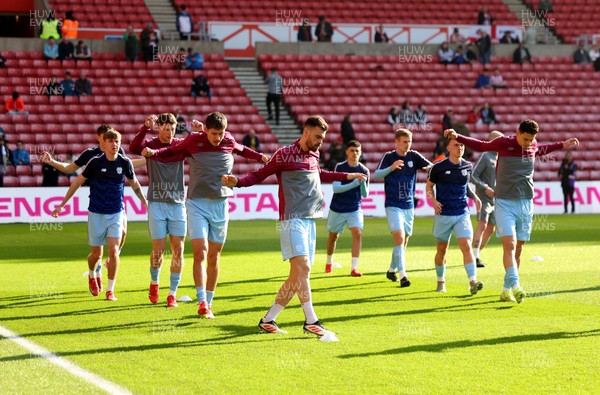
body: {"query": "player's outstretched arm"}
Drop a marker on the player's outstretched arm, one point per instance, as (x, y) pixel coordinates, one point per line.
(137, 189)
(338, 187)
(382, 173)
(437, 206)
(139, 143)
(72, 189)
(364, 186)
(137, 163)
(570, 143)
(63, 167)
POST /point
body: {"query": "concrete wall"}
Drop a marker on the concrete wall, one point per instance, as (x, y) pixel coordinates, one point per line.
(393, 49)
(111, 46)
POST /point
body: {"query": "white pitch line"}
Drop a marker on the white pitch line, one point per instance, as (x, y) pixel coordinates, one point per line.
(70, 367)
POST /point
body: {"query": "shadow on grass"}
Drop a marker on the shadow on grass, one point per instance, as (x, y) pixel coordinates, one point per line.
(440, 347)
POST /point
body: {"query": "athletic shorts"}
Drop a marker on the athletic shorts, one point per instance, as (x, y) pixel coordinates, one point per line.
(166, 219)
(400, 219)
(486, 214)
(444, 225)
(208, 219)
(298, 238)
(514, 218)
(336, 221)
(103, 226)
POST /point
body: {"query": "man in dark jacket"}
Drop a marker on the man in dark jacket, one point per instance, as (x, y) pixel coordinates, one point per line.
(521, 55)
(324, 30)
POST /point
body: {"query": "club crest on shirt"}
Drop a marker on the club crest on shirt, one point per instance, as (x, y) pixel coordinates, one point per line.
(410, 163)
(448, 171)
(119, 170)
(464, 172)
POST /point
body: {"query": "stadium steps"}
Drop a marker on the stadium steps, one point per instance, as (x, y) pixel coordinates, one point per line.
(544, 35)
(253, 83)
(164, 14)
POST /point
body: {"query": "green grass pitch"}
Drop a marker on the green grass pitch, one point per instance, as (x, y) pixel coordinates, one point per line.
(392, 340)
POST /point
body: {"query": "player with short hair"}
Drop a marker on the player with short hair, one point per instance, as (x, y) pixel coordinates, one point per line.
(209, 154)
(300, 202)
(451, 180)
(399, 169)
(106, 174)
(514, 193)
(166, 202)
(484, 178)
(345, 208)
(82, 160)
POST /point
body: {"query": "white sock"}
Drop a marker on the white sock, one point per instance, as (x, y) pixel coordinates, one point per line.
(153, 282)
(172, 293)
(111, 285)
(329, 260)
(505, 289)
(472, 278)
(309, 312)
(273, 312)
(441, 279)
(354, 263)
(403, 273)
(391, 269)
(92, 273)
(476, 252)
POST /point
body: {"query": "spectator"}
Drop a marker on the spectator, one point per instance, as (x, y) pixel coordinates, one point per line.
(474, 116)
(50, 176)
(597, 64)
(594, 54)
(131, 44)
(304, 33)
(251, 141)
(459, 58)
(70, 25)
(54, 88)
(484, 44)
(194, 60)
(201, 87)
(456, 37)
(521, 55)
(487, 114)
(149, 42)
(337, 154)
(184, 23)
(82, 52)
(274, 93)
(181, 59)
(406, 115)
(530, 36)
(2, 62)
(181, 123)
(14, 105)
(51, 49)
(380, 35)
(483, 80)
(50, 27)
(347, 130)
(324, 30)
(439, 152)
(83, 86)
(496, 80)
(66, 49)
(508, 38)
(545, 6)
(3, 160)
(420, 115)
(393, 117)
(68, 85)
(471, 55)
(581, 56)
(566, 171)
(447, 120)
(445, 54)
(484, 17)
(20, 156)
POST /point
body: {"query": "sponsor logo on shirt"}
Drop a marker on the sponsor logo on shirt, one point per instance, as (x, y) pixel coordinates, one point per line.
(447, 172)
(103, 171)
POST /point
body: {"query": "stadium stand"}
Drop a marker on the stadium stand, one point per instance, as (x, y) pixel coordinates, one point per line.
(123, 95)
(105, 13)
(561, 96)
(572, 18)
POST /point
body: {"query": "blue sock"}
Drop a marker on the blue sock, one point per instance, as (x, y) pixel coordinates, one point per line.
(201, 294)
(209, 297)
(99, 268)
(512, 275)
(399, 251)
(471, 269)
(175, 278)
(394, 264)
(154, 273)
(506, 282)
(440, 271)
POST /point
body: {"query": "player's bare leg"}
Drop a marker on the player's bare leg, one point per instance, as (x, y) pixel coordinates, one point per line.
(113, 266)
(511, 278)
(177, 244)
(94, 259)
(440, 265)
(469, 261)
(331, 245)
(398, 259)
(356, 247)
(212, 273)
(156, 261)
(200, 247)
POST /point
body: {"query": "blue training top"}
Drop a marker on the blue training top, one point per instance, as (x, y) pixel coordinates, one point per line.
(107, 183)
(451, 185)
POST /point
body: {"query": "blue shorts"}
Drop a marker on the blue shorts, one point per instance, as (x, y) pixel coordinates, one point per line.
(298, 238)
(336, 221)
(400, 219)
(443, 225)
(102, 226)
(208, 219)
(166, 218)
(514, 218)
